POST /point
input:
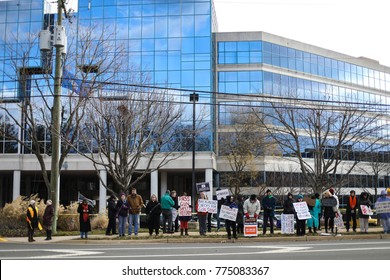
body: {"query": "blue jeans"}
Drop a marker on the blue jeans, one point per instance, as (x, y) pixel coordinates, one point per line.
(133, 218)
(122, 224)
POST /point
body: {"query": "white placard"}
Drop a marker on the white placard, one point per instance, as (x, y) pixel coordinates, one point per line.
(382, 207)
(174, 214)
(302, 210)
(338, 221)
(366, 210)
(287, 223)
(210, 206)
(228, 213)
(184, 200)
(222, 193)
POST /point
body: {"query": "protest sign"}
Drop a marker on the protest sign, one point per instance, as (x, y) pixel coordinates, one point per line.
(184, 200)
(287, 223)
(302, 210)
(310, 201)
(202, 187)
(222, 193)
(382, 207)
(185, 208)
(328, 202)
(174, 214)
(228, 213)
(338, 221)
(250, 227)
(210, 206)
(366, 210)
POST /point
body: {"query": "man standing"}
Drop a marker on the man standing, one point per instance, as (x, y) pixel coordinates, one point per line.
(251, 207)
(269, 211)
(167, 204)
(352, 208)
(111, 207)
(136, 203)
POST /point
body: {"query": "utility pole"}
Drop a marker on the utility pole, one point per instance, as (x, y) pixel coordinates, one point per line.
(194, 98)
(59, 35)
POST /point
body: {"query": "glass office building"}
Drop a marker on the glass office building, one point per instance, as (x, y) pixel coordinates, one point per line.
(177, 44)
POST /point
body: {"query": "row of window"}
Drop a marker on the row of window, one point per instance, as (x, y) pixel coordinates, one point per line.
(273, 54)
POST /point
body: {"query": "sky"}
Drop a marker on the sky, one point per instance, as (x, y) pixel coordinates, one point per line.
(352, 27)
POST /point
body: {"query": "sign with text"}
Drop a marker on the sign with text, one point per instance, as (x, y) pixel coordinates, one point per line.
(382, 207)
(338, 221)
(250, 227)
(328, 202)
(222, 193)
(310, 201)
(174, 214)
(287, 223)
(366, 210)
(185, 208)
(302, 210)
(228, 213)
(203, 187)
(210, 206)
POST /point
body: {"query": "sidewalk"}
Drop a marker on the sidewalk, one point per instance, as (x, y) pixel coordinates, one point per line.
(194, 237)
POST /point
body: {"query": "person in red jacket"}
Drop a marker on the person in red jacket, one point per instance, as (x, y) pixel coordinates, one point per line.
(352, 207)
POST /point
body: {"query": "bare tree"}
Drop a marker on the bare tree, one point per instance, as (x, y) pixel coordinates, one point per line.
(131, 130)
(322, 137)
(243, 144)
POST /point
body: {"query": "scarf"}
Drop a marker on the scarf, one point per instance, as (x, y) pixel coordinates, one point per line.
(85, 212)
(352, 202)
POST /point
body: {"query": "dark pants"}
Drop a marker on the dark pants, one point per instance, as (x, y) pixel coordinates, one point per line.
(268, 217)
(329, 221)
(175, 224)
(348, 219)
(167, 217)
(111, 228)
(30, 233)
(209, 221)
(301, 227)
(230, 224)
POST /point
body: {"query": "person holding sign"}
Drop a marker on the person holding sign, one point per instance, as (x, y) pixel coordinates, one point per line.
(384, 217)
(301, 224)
(202, 216)
(252, 207)
(185, 213)
(329, 213)
(268, 203)
(363, 215)
(228, 223)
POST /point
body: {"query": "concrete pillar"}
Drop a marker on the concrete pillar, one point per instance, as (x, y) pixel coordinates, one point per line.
(154, 183)
(16, 184)
(102, 192)
(209, 179)
(164, 182)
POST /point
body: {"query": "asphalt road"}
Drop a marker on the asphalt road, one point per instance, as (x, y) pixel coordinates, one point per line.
(315, 250)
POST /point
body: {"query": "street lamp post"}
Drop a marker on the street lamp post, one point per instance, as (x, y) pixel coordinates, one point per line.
(194, 97)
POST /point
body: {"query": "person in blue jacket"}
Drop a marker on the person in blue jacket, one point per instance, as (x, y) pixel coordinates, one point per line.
(315, 210)
(384, 217)
(230, 202)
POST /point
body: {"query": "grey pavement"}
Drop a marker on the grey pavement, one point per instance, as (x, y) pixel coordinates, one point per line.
(194, 237)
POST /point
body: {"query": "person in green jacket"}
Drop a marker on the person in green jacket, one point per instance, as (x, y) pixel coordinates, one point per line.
(166, 205)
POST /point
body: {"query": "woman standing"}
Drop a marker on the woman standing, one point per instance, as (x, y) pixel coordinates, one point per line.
(184, 219)
(84, 210)
(153, 211)
(202, 216)
(363, 200)
(122, 210)
(228, 223)
(314, 212)
(48, 218)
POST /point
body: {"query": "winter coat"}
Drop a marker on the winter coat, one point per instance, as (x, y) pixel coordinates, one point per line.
(231, 205)
(32, 217)
(288, 206)
(383, 216)
(135, 203)
(240, 213)
(314, 212)
(48, 216)
(363, 201)
(122, 208)
(350, 208)
(153, 210)
(176, 201)
(167, 202)
(269, 203)
(111, 207)
(252, 208)
(84, 218)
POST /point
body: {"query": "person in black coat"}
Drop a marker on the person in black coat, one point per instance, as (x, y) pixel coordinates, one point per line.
(153, 211)
(48, 218)
(175, 223)
(85, 210)
(329, 214)
(111, 207)
(352, 207)
(268, 203)
(288, 206)
(230, 202)
(363, 217)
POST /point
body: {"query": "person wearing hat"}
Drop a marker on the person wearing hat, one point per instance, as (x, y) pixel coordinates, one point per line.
(84, 210)
(122, 212)
(268, 203)
(363, 217)
(301, 224)
(32, 220)
(384, 217)
(202, 216)
(352, 207)
(48, 218)
(111, 209)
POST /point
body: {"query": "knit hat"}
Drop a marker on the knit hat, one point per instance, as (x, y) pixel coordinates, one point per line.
(299, 196)
(32, 202)
(388, 191)
(331, 190)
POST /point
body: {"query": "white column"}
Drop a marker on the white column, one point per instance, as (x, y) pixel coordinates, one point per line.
(164, 182)
(153, 183)
(209, 179)
(16, 186)
(102, 192)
